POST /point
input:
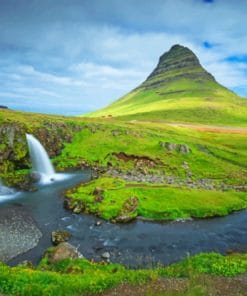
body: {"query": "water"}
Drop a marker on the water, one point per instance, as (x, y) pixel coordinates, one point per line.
(41, 163)
(135, 244)
(6, 193)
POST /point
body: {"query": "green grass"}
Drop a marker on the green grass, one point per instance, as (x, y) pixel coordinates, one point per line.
(223, 157)
(78, 277)
(155, 202)
(192, 108)
(224, 160)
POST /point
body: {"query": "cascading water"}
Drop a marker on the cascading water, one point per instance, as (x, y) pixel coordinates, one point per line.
(41, 163)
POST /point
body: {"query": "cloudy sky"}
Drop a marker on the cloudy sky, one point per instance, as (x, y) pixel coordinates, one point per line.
(75, 56)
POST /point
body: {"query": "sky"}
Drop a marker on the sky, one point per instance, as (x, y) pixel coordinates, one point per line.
(74, 56)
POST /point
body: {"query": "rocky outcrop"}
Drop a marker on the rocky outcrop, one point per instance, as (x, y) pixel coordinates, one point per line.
(182, 148)
(206, 184)
(128, 211)
(178, 63)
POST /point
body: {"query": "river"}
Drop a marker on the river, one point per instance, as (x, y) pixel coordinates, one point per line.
(137, 244)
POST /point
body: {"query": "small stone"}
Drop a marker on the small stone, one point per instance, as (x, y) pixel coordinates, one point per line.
(60, 236)
(184, 149)
(106, 255)
(98, 223)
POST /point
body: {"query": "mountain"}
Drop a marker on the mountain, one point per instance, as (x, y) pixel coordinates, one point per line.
(179, 89)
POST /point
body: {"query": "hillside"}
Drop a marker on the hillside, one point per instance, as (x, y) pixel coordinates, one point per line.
(179, 89)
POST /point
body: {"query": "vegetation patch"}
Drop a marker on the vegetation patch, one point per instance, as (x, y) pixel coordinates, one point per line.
(119, 201)
(80, 276)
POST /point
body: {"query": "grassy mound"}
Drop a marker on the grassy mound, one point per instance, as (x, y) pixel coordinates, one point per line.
(117, 200)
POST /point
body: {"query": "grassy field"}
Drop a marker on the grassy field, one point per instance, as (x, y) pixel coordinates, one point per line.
(218, 156)
(221, 107)
(81, 277)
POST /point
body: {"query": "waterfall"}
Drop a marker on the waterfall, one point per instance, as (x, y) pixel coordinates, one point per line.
(41, 163)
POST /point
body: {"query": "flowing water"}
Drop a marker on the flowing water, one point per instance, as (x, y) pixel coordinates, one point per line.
(6, 193)
(135, 244)
(41, 163)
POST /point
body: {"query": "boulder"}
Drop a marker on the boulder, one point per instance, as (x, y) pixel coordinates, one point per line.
(60, 236)
(61, 252)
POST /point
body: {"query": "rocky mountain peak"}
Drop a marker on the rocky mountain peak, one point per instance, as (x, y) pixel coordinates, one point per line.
(177, 63)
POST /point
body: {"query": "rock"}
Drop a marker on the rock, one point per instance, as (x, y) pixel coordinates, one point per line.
(184, 149)
(76, 206)
(35, 177)
(162, 144)
(170, 146)
(67, 204)
(61, 252)
(189, 174)
(124, 218)
(116, 133)
(60, 236)
(19, 232)
(98, 223)
(98, 193)
(131, 204)
(185, 165)
(128, 212)
(106, 256)
(79, 208)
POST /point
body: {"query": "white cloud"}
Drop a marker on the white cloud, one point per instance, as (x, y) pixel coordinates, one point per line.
(91, 52)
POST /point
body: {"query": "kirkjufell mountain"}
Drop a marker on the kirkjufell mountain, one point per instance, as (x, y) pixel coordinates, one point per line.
(179, 89)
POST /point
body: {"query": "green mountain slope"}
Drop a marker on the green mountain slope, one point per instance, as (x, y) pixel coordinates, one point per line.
(180, 89)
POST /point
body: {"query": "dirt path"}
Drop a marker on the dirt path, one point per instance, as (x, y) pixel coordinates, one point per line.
(201, 127)
(213, 128)
(207, 285)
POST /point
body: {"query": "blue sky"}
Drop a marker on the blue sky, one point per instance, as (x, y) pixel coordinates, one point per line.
(75, 56)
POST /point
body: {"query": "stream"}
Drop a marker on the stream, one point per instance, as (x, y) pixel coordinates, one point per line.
(136, 244)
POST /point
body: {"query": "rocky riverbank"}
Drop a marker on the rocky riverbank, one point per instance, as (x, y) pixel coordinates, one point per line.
(19, 232)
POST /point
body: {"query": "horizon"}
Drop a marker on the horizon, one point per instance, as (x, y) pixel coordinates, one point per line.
(95, 54)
